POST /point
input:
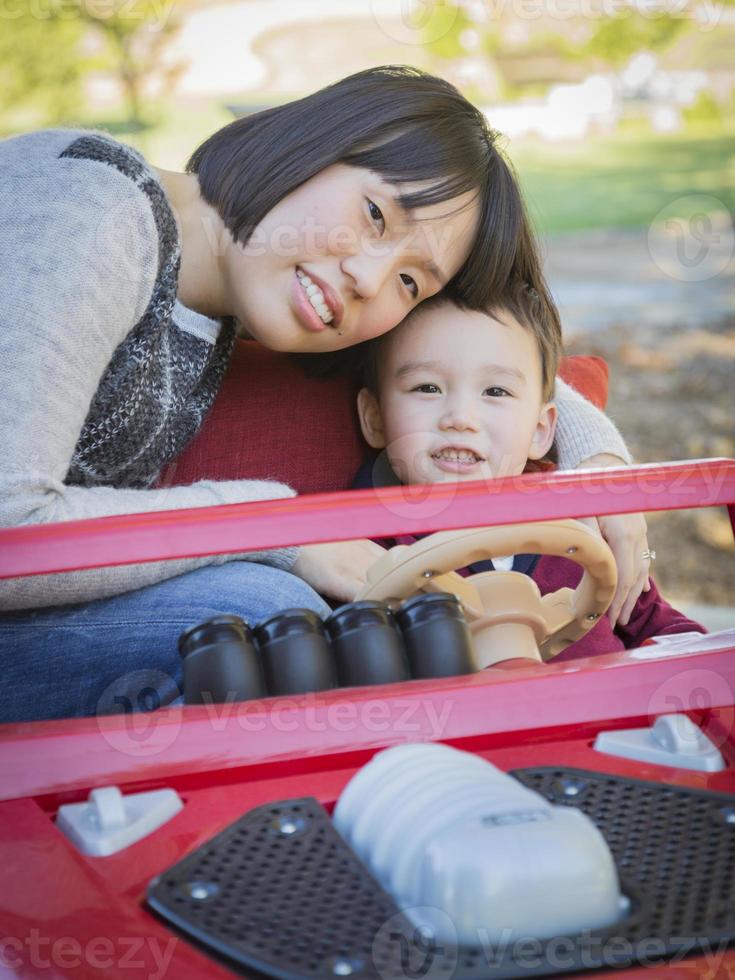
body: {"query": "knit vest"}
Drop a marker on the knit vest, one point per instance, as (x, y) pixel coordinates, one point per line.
(161, 381)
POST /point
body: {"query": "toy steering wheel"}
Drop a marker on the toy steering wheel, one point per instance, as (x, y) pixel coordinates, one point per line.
(505, 611)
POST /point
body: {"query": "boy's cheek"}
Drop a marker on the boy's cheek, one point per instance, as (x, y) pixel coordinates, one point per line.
(409, 458)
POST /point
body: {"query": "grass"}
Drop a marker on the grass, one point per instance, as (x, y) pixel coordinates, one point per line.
(625, 180)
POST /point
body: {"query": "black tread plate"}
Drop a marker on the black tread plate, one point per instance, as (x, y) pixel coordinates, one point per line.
(280, 894)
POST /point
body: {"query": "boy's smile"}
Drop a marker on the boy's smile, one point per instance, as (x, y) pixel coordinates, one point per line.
(460, 397)
(457, 459)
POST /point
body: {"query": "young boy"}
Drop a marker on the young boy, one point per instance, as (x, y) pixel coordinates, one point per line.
(455, 394)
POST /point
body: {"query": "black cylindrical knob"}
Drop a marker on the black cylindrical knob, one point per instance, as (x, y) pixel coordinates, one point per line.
(221, 663)
(436, 636)
(295, 653)
(366, 644)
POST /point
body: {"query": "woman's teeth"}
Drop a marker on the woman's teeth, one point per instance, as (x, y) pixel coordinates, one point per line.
(316, 297)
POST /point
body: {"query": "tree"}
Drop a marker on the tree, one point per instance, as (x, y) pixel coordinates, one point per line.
(615, 39)
(41, 63)
(136, 34)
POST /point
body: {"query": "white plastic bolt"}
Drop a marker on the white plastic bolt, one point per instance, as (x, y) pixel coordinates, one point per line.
(106, 808)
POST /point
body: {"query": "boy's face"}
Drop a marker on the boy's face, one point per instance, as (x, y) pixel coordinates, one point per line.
(460, 398)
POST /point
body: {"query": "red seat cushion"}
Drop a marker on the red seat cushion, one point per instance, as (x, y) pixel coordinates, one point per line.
(272, 422)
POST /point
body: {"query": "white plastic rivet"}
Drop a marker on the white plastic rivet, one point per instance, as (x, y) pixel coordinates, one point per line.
(572, 550)
(572, 787)
(428, 573)
(288, 825)
(201, 890)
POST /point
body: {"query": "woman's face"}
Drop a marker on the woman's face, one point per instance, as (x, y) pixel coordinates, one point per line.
(338, 261)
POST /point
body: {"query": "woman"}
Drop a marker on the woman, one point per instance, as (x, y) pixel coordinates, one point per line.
(317, 225)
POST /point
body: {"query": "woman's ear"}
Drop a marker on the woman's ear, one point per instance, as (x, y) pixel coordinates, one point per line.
(371, 419)
(544, 434)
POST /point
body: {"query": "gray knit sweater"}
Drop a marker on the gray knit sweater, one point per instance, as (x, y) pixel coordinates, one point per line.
(106, 375)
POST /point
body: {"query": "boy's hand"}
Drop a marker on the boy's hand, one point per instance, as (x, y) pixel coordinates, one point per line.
(337, 569)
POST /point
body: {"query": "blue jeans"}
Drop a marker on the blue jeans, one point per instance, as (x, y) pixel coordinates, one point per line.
(119, 654)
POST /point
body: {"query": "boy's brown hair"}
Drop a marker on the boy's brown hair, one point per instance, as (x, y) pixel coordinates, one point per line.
(532, 309)
(540, 317)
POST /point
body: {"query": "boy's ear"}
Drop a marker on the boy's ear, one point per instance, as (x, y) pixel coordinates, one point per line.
(544, 434)
(371, 419)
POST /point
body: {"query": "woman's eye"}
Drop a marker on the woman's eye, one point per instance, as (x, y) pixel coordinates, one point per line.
(496, 392)
(427, 389)
(376, 214)
(411, 283)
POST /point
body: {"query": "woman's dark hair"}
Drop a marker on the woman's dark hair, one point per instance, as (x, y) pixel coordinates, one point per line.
(399, 122)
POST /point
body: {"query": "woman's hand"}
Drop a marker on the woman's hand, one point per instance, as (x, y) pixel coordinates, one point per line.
(338, 569)
(627, 535)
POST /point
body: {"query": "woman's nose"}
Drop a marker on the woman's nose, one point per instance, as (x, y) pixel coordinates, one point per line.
(369, 273)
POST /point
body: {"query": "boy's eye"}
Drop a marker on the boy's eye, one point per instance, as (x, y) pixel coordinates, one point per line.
(427, 389)
(411, 283)
(495, 392)
(376, 214)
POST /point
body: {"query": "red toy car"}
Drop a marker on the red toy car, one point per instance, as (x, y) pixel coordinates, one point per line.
(67, 914)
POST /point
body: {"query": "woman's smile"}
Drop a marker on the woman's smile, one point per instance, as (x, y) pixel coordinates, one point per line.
(325, 300)
(311, 311)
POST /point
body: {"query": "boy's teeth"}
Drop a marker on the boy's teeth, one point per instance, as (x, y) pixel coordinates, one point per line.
(316, 297)
(458, 455)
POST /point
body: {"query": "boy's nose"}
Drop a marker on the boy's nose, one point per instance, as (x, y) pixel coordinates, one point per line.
(459, 416)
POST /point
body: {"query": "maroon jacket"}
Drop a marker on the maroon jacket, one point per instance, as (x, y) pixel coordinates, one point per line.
(652, 614)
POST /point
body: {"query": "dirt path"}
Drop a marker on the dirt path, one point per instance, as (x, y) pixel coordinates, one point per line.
(671, 350)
